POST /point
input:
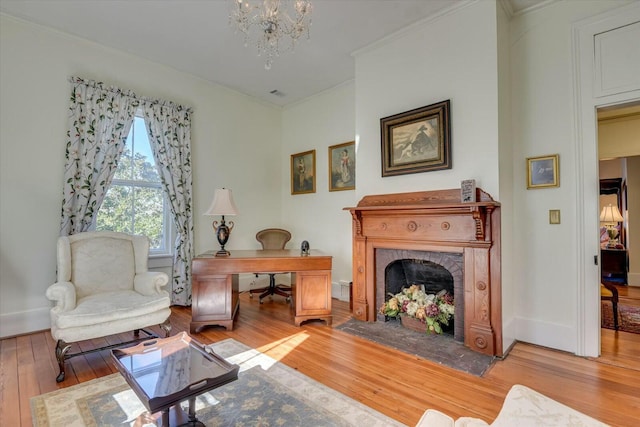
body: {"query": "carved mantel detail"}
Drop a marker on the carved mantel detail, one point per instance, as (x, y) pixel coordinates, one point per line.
(435, 221)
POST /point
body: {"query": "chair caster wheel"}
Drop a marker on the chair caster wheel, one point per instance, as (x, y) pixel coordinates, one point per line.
(260, 301)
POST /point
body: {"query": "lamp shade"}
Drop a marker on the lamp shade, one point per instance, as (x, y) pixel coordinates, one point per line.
(223, 203)
(610, 214)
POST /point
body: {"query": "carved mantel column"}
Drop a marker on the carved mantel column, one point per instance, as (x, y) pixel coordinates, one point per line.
(435, 221)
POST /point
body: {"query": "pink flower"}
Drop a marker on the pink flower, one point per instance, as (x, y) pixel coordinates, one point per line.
(432, 310)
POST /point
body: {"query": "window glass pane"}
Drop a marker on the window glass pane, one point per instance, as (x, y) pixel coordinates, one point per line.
(116, 212)
(149, 217)
(134, 203)
(144, 165)
(124, 162)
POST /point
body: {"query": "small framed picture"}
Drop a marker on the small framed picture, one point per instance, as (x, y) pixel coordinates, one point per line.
(303, 172)
(416, 141)
(543, 172)
(342, 166)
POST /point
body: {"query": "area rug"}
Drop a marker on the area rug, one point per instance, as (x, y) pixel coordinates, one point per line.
(267, 393)
(441, 349)
(628, 317)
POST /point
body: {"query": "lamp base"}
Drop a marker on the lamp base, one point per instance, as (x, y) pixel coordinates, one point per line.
(223, 253)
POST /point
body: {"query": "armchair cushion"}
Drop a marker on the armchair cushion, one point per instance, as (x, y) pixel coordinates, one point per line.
(102, 264)
(109, 306)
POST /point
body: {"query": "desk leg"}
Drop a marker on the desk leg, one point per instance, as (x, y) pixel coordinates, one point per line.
(215, 300)
(311, 296)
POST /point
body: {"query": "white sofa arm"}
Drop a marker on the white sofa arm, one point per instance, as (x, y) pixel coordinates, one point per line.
(150, 282)
(434, 418)
(64, 295)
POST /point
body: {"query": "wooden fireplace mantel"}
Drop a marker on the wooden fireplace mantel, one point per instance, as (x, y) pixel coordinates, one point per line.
(435, 221)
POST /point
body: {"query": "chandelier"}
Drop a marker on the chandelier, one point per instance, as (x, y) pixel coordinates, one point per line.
(266, 23)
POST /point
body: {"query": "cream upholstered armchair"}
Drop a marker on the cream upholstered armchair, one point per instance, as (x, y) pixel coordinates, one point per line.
(104, 288)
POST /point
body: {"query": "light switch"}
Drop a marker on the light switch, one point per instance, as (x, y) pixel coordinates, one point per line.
(554, 216)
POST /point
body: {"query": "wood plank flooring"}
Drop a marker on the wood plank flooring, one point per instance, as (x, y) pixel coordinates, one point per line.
(396, 384)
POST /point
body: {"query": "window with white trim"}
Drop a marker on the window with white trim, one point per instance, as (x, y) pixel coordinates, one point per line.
(135, 202)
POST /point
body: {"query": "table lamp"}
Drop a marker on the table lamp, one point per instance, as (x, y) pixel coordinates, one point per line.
(610, 217)
(222, 204)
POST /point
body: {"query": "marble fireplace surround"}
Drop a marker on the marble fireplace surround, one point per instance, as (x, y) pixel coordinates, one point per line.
(433, 222)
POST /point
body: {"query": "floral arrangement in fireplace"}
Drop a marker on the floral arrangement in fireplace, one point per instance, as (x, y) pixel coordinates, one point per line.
(434, 310)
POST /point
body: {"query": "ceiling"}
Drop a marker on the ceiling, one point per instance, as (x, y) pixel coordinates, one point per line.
(194, 36)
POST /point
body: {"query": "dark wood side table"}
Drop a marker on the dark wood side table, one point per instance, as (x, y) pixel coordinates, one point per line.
(615, 265)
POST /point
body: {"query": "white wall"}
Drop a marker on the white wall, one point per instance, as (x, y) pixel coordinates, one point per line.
(545, 263)
(506, 182)
(233, 140)
(316, 124)
(452, 57)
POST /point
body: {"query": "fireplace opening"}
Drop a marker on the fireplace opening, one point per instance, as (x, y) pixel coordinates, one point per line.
(396, 268)
(403, 273)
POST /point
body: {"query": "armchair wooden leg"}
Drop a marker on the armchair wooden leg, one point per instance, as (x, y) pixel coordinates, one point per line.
(615, 314)
(62, 348)
(166, 327)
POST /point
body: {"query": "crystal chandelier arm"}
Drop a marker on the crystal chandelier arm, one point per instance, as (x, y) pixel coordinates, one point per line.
(267, 22)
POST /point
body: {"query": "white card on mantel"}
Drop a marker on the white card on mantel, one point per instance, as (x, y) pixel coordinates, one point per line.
(468, 191)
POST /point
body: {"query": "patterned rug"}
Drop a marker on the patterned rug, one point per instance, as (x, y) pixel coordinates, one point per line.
(267, 393)
(628, 317)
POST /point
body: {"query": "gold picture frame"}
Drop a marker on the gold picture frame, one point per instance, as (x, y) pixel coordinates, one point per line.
(303, 172)
(543, 171)
(342, 166)
(417, 140)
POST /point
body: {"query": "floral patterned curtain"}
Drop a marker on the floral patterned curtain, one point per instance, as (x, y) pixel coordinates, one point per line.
(99, 120)
(169, 128)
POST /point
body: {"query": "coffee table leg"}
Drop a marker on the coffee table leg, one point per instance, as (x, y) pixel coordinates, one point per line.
(193, 421)
(165, 417)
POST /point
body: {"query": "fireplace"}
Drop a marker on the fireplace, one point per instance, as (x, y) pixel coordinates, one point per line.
(436, 271)
(430, 238)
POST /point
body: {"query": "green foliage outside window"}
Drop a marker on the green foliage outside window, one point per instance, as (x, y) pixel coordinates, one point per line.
(134, 203)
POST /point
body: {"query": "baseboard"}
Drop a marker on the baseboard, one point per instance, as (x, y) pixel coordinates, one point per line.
(546, 334)
(24, 322)
(633, 279)
(340, 290)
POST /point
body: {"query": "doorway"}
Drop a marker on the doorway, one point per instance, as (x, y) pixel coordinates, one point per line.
(618, 165)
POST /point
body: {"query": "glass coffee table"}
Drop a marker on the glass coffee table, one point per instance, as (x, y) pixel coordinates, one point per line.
(165, 372)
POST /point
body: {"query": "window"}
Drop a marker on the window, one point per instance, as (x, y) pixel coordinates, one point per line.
(135, 202)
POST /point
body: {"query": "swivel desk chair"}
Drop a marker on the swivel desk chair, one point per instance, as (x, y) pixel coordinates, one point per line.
(273, 238)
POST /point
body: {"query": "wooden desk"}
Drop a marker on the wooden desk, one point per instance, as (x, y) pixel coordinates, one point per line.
(215, 284)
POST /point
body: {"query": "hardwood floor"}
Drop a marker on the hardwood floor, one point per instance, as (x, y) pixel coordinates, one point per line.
(629, 295)
(397, 384)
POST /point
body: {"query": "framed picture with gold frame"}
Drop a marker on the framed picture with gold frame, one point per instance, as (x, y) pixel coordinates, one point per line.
(342, 166)
(416, 141)
(303, 172)
(543, 171)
